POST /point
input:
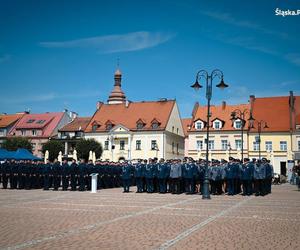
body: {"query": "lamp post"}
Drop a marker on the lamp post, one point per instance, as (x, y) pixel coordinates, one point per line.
(260, 125)
(209, 79)
(239, 114)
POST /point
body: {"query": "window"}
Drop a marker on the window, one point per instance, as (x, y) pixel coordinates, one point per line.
(40, 121)
(199, 125)
(173, 145)
(177, 148)
(106, 144)
(224, 144)
(283, 146)
(94, 127)
(108, 126)
(255, 145)
(30, 121)
(172, 129)
(23, 132)
(217, 125)
(238, 144)
(2, 132)
(238, 124)
(154, 125)
(139, 125)
(153, 145)
(268, 146)
(299, 145)
(138, 145)
(177, 130)
(199, 145)
(211, 144)
(33, 132)
(33, 146)
(122, 145)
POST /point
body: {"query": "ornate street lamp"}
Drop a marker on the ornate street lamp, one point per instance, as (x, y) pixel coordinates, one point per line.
(222, 85)
(239, 114)
(260, 126)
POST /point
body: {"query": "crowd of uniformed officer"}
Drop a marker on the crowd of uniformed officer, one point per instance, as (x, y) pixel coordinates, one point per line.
(55, 175)
(173, 176)
(176, 176)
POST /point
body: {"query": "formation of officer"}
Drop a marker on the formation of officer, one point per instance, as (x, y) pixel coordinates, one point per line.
(163, 176)
(59, 176)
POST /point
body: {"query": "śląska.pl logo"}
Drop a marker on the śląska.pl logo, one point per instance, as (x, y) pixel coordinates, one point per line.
(279, 12)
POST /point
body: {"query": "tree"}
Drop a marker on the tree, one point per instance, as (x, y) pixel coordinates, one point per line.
(13, 143)
(84, 146)
(54, 147)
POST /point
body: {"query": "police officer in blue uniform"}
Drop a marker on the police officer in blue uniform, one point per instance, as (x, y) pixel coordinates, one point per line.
(247, 170)
(81, 175)
(126, 176)
(162, 175)
(269, 175)
(65, 172)
(139, 174)
(149, 175)
(230, 176)
(46, 173)
(189, 176)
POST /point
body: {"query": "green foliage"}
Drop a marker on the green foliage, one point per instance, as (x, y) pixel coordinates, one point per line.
(13, 143)
(84, 146)
(54, 147)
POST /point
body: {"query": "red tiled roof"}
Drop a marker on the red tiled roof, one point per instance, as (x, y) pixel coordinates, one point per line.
(7, 120)
(221, 112)
(31, 121)
(186, 122)
(78, 124)
(273, 110)
(128, 116)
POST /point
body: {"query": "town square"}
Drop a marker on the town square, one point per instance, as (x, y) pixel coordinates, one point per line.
(149, 124)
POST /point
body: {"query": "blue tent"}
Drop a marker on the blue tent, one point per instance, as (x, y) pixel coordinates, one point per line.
(20, 154)
(5, 154)
(24, 154)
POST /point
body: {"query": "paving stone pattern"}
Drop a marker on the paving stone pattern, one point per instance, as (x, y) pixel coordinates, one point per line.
(110, 219)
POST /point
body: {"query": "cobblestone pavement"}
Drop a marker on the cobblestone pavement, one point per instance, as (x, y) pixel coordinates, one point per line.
(110, 219)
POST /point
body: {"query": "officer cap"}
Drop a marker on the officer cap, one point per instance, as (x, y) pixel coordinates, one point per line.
(246, 159)
(231, 158)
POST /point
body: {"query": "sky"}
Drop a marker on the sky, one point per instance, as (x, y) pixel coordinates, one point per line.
(58, 54)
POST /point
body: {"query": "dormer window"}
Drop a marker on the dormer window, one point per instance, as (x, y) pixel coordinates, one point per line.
(95, 126)
(237, 124)
(40, 121)
(108, 126)
(199, 125)
(217, 124)
(30, 121)
(140, 124)
(155, 124)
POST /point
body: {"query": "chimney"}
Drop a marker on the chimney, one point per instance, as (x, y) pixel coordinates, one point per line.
(196, 106)
(98, 105)
(73, 115)
(223, 105)
(251, 100)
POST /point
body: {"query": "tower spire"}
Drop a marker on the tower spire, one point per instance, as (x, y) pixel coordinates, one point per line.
(117, 95)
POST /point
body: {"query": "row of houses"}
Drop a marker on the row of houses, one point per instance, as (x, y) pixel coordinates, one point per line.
(132, 130)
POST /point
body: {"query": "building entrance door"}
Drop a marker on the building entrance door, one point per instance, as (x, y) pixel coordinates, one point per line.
(283, 168)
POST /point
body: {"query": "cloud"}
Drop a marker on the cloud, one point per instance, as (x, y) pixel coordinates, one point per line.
(293, 58)
(5, 58)
(248, 43)
(228, 18)
(115, 43)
